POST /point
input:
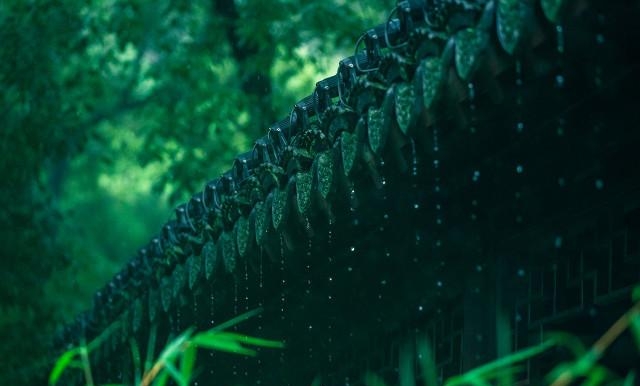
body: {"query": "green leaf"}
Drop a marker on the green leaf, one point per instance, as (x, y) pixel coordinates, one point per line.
(261, 222)
(229, 255)
(176, 345)
(572, 342)
(210, 255)
(243, 236)
(512, 15)
(630, 379)
(348, 151)
(188, 361)
(427, 362)
(595, 376)
(162, 378)
(371, 379)
(324, 174)
(375, 127)
(175, 374)
(406, 366)
(153, 304)
(61, 364)
(634, 327)
(166, 293)
(151, 346)
(635, 295)
(253, 341)
(553, 9)
(218, 341)
(135, 355)
(238, 319)
(476, 375)
(137, 315)
(303, 193)
(278, 207)
(431, 79)
(179, 279)
(470, 43)
(194, 267)
(404, 105)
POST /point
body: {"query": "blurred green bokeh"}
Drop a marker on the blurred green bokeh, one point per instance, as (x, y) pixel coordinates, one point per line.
(112, 112)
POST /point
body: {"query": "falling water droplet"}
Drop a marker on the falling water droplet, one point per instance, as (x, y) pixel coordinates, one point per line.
(246, 285)
(414, 159)
(519, 169)
(471, 93)
(559, 78)
(559, 39)
(599, 184)
(557, 242)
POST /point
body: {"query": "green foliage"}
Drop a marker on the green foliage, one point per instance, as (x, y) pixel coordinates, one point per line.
(585, 366)
(111, 111)
(176, 361)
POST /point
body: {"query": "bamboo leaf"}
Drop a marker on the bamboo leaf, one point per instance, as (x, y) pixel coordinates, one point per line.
(175, 374)
(267, 343)
(427, 362)
(188, 362)
(634, 326)
(371, 379)
(630, 379)
(573, 343)
(475, 375)
(238, 319)
(216, 341)
(61, 364)
(175, 347)
(135, 354)
(162, 378)
(148, 360)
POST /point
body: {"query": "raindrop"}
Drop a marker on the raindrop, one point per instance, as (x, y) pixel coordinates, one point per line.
(349, 269)
(476, 176)
(283, 281)
(560, 127)
(559, 78)
(479, 268)
(330, 298)
(557, 242)
(599, 184)
(439, 283)
(420, 308)
(471, 92)
(352, 249)
(559, 39)
(519, 169)
(414, 159)
(235, 296)
(246, 285)
(521, 272)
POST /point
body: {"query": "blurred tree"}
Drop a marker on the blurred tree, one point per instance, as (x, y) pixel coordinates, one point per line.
(112, 110)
